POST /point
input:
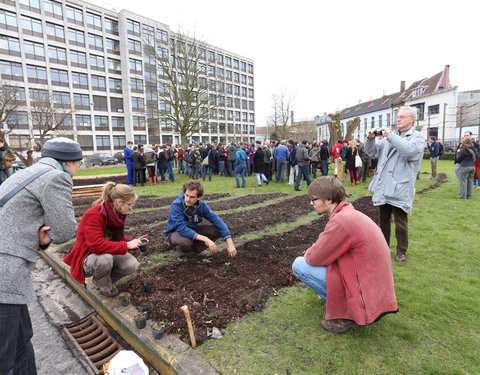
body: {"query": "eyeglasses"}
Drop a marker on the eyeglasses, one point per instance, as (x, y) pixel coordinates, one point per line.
(403, 116)
(313, 199)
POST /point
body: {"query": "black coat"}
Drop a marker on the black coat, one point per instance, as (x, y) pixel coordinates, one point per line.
(350, 158)
(324, 152)
(161, 161)
(137, 160)
(258, 162)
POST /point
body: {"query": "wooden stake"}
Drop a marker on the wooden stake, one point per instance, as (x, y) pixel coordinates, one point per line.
(190, 326)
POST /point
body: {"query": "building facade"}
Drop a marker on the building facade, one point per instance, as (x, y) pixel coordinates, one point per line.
(92, 61)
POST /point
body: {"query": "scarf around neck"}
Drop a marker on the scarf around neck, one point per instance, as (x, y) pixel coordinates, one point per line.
(115, 222)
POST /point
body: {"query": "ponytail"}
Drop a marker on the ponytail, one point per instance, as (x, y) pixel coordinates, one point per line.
(112, 191)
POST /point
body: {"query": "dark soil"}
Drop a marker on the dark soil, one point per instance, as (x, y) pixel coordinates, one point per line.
(119, 179)
(221, 289)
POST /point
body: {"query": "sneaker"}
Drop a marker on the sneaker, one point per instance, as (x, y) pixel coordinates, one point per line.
(401, 258)
(338, 325)
(267, 182)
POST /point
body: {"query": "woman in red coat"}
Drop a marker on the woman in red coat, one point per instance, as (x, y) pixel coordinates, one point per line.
(101, 249)
(349, 266)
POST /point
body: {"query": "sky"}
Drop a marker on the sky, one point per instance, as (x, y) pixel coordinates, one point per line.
(328, 55)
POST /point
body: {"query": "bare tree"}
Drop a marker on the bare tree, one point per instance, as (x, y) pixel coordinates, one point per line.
(335, 128)
(9, 102)
(282, 106)
(181, 86)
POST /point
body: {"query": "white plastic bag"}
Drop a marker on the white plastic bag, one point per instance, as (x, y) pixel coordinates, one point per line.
(127, 362)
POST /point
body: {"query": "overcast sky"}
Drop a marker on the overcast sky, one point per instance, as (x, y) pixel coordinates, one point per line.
(331, 54)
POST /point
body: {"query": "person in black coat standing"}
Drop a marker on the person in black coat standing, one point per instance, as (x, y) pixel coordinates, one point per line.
(259, 164)
(138, 164)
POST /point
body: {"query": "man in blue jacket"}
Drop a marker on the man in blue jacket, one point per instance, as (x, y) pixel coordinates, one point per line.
(188, 231)
(434, 149)
(281, 155)
(127, 155)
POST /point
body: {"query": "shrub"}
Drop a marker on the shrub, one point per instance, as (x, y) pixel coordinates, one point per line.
(445, 156)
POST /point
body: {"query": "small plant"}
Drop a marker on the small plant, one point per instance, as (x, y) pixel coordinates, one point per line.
(124, 298)
(140, 320)
(159, 325)
(158, 329)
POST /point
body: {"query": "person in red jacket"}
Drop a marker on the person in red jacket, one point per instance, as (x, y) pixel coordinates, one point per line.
(349, 266)
(101, 250)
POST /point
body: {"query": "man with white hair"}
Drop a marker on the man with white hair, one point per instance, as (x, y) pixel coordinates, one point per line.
(399, 155)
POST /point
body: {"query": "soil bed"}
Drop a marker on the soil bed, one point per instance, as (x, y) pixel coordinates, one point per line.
(119, 179)
(220, 289)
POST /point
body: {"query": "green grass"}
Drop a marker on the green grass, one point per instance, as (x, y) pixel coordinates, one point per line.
(101, 171)
(435, 331)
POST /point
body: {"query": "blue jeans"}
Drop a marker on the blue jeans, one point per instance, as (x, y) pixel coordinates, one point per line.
(314, 168)
(161, 173)
(221, 168)
(324, 167)
(302, 171)
(130, 173)
(197, 170)
(240, 170)
(207, 171)
(188, 170)
(231, 170)
(171, 176)
(260, 177)
(314, 277)
(181, 166)
(16, 350)
(281, 168)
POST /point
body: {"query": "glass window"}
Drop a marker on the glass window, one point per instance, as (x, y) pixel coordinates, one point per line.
(250, 81)
(38, 95)
(79, 80)
(139, 121)
(228, 61)
(81, 100)
(243, 66)
(9, 44)
(31, 3)
(136, 84)
(11, 69)
(94, 20)
(101, 121)
(61, 98)
(31, 25)
(219, 59)
(84, 121)
(59, 77)
(102, 140)
(115, 84)
(118, 122)
(97, 62)
(16, 119)
(119, 141)
(98, 83)
(74, 14)
(8, 18)
(76, 36)
(135, 66)
(137, 103)
(133, 26)
(36, 72)
(250, 68)
(114, 65)
(53, 7)
(112, 45)
(78, 58)
(111, 26)
(211, 56)
(235, 64)
(57, 54)
(162, 36)
(54, 30)
(95, 41)
(134, 46)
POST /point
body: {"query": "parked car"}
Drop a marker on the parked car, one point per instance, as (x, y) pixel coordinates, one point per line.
(119, 156)
(103, 159)
(450, 146)
(17, 164)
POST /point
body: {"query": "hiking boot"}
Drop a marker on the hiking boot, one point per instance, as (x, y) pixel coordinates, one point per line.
(401, 258)
(338, 325)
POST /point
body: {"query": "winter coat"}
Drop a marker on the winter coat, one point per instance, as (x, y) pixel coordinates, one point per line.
(324, 152)
(213, 159)
(301, 156)
(91, 240)
(335, 150)
(281, 153)
(149, 157)
(127, 154)
(359, 269)
(350, 158)
(293, 155)
(240, 157)
(45, 201)
(267, 154)
(231, 152)
(465, 158)
(161, 160)
(258, 161)
(314, 154)
(396, 171)
(137, 160)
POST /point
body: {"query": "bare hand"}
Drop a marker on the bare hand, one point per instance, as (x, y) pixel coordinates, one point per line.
(43, 237)
(386, 131)
(232, 251)
(134, 244)
(370, 134)
(211, 246)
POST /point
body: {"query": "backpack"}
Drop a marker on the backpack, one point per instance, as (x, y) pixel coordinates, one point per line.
(441, 149)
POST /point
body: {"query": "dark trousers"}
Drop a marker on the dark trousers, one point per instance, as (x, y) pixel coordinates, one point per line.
(400, 218)
(302, 171)
(184, 245)
(16, 350)
(268, 171)
(129, 173)
(139, 177)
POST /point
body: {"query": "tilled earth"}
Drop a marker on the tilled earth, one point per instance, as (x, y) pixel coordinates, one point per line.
(221, 289)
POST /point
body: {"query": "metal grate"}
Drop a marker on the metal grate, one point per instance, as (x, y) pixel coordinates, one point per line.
(93, 340)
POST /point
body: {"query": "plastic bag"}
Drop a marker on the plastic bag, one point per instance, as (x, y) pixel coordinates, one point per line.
(127, 362)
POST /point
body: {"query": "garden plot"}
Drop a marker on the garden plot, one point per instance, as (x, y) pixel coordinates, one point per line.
(220, 289)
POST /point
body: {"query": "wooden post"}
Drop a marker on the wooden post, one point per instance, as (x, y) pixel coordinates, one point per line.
(190, 326)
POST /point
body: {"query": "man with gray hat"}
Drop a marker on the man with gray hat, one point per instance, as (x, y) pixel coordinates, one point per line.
(35, 210)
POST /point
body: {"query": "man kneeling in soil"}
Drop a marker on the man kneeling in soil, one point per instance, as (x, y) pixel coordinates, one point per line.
(349, 266)
(186, 229)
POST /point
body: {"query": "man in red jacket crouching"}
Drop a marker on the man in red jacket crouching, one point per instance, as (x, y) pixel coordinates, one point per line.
(349, 266)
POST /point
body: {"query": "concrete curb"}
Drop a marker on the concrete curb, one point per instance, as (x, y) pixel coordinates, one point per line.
(169, 355)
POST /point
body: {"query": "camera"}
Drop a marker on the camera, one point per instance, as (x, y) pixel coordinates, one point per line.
(376, 133)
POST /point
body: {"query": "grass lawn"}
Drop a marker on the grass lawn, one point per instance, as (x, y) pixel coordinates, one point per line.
(102, 170)
(435, 331)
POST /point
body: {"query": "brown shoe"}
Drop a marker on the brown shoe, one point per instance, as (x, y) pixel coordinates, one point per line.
(338, 325)
(111, 291)
(401, 258)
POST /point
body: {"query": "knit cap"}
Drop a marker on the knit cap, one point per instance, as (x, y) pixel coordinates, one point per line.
(63, 149)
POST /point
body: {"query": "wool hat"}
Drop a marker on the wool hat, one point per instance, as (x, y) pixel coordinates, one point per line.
(62, 149)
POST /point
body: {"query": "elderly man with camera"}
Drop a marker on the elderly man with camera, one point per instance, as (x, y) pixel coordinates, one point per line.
(399, 155)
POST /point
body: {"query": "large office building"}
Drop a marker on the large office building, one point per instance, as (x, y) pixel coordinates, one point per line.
(91, 61)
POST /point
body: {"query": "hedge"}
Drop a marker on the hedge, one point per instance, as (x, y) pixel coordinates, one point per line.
(445, 156)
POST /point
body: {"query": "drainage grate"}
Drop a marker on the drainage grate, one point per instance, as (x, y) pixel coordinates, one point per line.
(93, 340)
